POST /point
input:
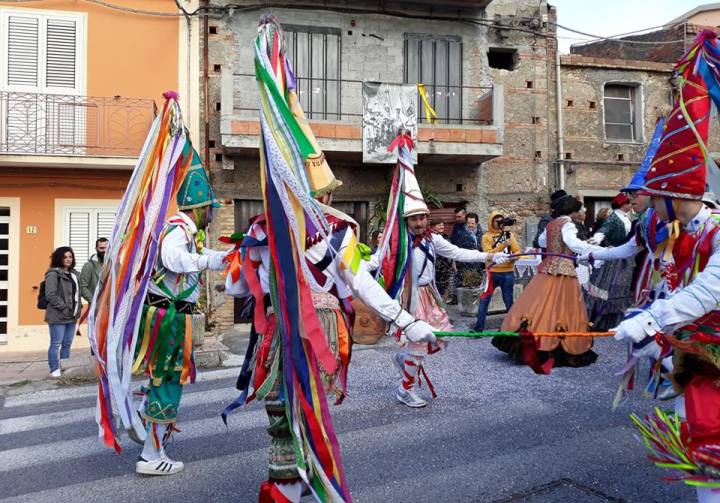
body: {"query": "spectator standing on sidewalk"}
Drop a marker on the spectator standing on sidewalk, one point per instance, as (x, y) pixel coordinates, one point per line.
(459, 227)
(498, 239)
(443, 266)
(90, 274)
(547, 218)
(62, 291)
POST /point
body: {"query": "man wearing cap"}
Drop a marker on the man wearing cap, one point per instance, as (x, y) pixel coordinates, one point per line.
(164, 345)
(425, 300)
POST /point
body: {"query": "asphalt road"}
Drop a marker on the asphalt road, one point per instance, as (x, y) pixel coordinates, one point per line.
(496, 433)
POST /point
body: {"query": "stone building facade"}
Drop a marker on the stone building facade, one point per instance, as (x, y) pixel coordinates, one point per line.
(598, 160)
(492, 77)
(494, 88)
(633, 75)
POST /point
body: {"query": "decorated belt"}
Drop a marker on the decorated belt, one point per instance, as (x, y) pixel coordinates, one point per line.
(325, 300)
(181, 306)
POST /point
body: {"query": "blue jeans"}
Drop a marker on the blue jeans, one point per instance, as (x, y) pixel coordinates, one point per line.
(61, 337)
(504, 280)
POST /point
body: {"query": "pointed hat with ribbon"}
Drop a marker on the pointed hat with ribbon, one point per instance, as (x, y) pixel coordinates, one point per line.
(679, 167)
(414, 200)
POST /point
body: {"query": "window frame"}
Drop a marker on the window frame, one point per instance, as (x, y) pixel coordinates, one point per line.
(637, 115)
(80, 18)
(63, 208)
(407, 36)
(324, 114)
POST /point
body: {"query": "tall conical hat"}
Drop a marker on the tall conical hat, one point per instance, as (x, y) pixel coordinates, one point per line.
(196, 191)
(321, 178)
(414, 201)
(638, 180)
(679, 167)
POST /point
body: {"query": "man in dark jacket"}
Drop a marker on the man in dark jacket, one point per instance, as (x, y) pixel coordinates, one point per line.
(547, 218)
(90, 273)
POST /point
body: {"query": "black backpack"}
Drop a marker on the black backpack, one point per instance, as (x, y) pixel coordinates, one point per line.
(42, 302)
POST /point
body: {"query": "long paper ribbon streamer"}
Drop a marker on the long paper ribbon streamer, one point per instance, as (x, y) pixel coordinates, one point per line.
(517, 334)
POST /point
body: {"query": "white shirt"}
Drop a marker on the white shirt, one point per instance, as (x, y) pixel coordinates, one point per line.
(259, 254)
(569, 235)
(359, 284)
(425, 271)
(694, 301)
(178, 255)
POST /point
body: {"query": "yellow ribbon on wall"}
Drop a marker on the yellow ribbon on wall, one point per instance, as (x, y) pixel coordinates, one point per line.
(430, 113)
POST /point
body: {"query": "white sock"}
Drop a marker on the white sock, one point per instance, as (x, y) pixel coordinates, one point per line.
(150, 452)
(293, 491)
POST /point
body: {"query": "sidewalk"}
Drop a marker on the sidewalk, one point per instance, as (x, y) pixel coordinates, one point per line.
(22, 368)
(226, 350)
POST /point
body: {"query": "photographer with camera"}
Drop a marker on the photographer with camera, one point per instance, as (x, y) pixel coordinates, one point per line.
(498, 239)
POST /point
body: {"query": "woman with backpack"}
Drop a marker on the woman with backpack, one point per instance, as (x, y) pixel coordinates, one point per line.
(62, 292)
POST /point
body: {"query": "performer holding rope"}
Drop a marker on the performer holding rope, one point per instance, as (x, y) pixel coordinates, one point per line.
(689, 259)
(407, 262)
(552, 301)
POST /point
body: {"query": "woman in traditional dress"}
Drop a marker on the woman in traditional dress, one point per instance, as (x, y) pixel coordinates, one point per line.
(553, 300)
(609, 292)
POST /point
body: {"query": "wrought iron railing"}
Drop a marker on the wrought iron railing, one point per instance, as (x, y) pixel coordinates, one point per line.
(342, 100)
(61, 124)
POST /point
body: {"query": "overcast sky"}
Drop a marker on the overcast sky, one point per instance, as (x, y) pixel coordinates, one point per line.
(612, 17)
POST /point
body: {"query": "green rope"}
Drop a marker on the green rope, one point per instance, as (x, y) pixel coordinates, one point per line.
(476, 334)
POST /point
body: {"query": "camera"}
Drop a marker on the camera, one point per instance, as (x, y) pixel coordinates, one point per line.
(508, 222)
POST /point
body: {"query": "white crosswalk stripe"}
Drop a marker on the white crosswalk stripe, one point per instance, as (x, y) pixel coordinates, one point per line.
(483, 439)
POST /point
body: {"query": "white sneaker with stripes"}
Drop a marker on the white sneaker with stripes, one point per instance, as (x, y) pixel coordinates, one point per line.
(161, 466)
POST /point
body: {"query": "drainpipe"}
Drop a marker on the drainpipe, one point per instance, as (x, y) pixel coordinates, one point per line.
(206, 139)
(558, 100)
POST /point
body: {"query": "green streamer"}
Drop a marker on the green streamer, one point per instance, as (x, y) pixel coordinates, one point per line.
(477, 334)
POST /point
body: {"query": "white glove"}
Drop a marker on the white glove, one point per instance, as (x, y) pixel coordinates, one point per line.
(414, 330)
(597, 238)
(636, 328)
(584, 259)
(216, 260)
(420, 331)
(500, 258)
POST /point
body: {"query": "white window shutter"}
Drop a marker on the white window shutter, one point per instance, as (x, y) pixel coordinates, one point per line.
(23, 35)
(79, 236)
(105, 224)
(61, 54)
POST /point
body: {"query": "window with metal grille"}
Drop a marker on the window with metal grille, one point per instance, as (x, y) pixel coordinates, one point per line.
(83, 226)
(316, 56)
(436, 62)
(621, 112)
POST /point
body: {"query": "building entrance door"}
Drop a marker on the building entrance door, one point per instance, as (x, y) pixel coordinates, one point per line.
(4, 271)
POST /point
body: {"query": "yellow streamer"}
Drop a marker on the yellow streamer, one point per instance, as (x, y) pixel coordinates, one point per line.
(430, 113)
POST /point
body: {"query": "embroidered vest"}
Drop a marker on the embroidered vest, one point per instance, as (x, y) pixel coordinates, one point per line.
(557, 266)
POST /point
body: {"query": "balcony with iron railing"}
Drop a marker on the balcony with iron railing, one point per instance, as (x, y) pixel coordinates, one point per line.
(60, 126)
(469, 123)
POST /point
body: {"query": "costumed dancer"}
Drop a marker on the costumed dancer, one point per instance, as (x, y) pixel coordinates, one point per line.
(304, 257)
(142, 318)
(609, 292)
(689, 320)
(407, 257)
(648, 284)
(553, 300)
